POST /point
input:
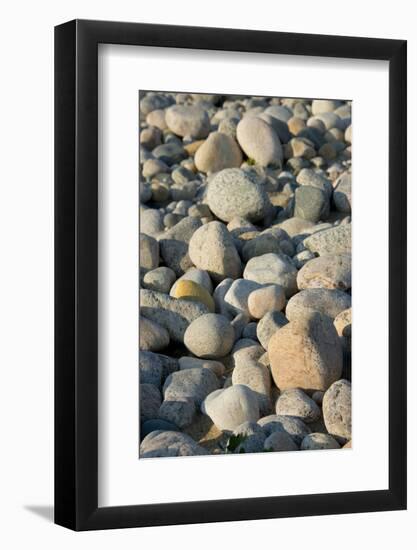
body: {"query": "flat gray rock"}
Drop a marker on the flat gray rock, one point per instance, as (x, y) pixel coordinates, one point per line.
(173, 314)
(190, 384)
(327, 301)
(150, 401)
(336, 240)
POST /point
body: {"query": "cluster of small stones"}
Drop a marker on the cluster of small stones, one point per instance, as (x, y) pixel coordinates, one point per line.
(245, 274)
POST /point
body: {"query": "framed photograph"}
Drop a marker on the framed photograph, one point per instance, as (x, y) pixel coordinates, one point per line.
(230, 235)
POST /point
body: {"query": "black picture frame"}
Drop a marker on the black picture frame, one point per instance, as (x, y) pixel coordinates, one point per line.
(76, 270)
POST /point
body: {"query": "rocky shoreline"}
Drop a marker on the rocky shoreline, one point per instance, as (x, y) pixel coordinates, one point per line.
(245, 274)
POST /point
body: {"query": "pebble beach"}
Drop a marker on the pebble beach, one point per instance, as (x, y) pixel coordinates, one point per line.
(245, 274)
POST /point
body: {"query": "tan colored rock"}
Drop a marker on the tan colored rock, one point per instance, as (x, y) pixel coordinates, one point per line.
(189, 290)
(332, 271)
(306, 353)
(212, 249)
(218, 152)
(266, 299)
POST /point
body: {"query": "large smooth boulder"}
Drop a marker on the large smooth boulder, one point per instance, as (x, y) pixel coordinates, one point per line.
(306, 354)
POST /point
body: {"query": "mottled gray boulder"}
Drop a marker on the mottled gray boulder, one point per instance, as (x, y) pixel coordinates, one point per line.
(229, 408)
(174, 244)
(333, 271)
(342, 195)
(266, 299)
(150, 400)
(180, 412)
(336, 240)
(306, 353)
(294, 402)
(273, 269)
(196, 275)
(150, 369)
(319, 441)
(259, 141)
(212, 249)
(218, 152)
(152, 336)
(160, 279)
(148, 252)
(294, 427)
(311, 204)
(152, 167)
(327, 301)
(210, 336)
(253, 438)
(191, 384)
(337, 410)
(189, 121)
(280, 441)
(232, 192)
(169, 443)
(236, 298)
(173, 314)
(268, 326)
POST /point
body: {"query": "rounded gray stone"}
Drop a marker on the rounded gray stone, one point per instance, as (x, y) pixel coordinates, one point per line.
(232, 192)
(160, 279)
(280, 441)
(319, 441)
(210, 336)
(294, 402)
(188, 121)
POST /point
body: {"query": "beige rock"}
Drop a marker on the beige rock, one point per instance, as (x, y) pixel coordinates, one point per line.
(218, 152)
(212, 249)
(259, 141)
(266, 299)
(327, 301)
(332, 271)
(306, 354)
